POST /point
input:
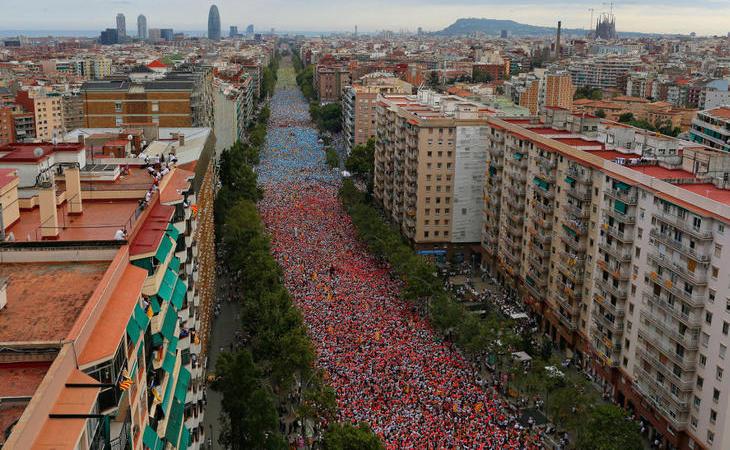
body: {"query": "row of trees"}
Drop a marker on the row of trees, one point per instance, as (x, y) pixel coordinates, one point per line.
(664, 128)
(570, 400)
(256, 381)
(269, 77)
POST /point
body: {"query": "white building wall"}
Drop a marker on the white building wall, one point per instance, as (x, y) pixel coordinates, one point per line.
(470, 168)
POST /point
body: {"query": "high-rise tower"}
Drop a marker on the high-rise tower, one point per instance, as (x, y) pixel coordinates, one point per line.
(214, 24)
(121, 26)
(141, 26)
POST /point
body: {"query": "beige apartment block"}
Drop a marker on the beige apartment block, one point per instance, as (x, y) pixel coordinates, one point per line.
(430, 161)
(618, 240)
(359, 105)
(48, 116)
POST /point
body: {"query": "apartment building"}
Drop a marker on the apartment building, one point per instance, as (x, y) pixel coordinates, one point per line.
(559, 91)
(330, 78)
(617, 240)
(234, 110)
(106, 293)
(358, 105)
(7, 125)
(49, 121)
(174, 99)
(73, 110)
(601, 72)
(541, 89)
(712, 128)
(429, 168)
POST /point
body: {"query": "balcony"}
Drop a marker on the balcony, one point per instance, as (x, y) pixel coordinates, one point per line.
(623, 218)
(497, 151)
(565, 302)
(578, 226)
(536, 291)
(568, 322)
(620, 292)
(615, 326)
(628, 197)
(660, 401)
(686, 250)
(615, 269)
(571, 292)
(576, 246)
(580, 213)
(691, 320)
(547, 209)
(581, 177)
(572, 266)
(682, 382)
(619, 255)
(584, 195)
(682, 224)
(621, 235)
(697, 277)
(660, 341)
(545, 162)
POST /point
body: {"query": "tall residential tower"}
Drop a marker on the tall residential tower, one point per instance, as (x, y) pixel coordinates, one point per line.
(121, 26)
(141, 26)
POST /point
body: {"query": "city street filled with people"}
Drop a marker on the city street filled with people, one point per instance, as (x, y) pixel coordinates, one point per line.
(386, 364)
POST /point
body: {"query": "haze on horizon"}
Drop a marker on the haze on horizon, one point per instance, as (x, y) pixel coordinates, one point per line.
(705, 17)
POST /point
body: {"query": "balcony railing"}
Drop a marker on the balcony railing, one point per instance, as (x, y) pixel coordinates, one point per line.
(686, 250)
(620, 292)
(691, 320)
(621, 256)
(583, 195)
(661, 342)
(628, 197)
(683, 383)
(682, 224)
(628, 219)
(614, 232)
(697, 277)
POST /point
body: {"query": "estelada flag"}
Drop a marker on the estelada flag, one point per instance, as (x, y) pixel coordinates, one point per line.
(126, 381)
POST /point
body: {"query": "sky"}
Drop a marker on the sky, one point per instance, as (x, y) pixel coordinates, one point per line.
(705, 17)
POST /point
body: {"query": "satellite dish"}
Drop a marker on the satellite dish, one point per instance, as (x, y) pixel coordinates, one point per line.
(129, 137)
(37, 152)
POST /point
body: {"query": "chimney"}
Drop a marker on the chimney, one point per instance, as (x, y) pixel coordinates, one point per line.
(73, 190)
(181, 139)
(49, 215)
(557, 41)
(3, 292)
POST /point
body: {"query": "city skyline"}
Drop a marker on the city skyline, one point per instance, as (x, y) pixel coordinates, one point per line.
(704, 17)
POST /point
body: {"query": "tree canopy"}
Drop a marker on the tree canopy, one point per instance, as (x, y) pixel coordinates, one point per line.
(350, 437)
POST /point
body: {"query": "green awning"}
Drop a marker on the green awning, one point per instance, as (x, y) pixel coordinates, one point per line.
(621, 186)
(172, 232)
(184, 439)
(518, 156)
(168, 391)
(156, 340)
(492, 170)
(530, 281)
(155, 303)
(544, 185)
(569, 230)
(141, 318)
(145, 263)
(164, 249)
(172, 346)
(175, 264)
(179, 295)
(175, 422)
(168, 325)
(133, 329)
(570, 180)
(183, 381)
(167, 285)
(619, 207)
(150, 438)
(168, 365)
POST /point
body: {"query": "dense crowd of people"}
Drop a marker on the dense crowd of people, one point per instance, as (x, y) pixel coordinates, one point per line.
(386, 364)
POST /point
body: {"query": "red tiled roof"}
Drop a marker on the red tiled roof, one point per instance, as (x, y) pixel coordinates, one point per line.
(7, 176)
(150, 234)
(157, 64)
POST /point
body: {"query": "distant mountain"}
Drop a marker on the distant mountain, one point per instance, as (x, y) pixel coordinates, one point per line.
(495, 26)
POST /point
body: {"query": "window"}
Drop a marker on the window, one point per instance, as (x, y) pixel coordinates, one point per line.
(721, 228)
(703, 360)
(718, 373)
(697, 402)
(700, 382)
(725, 328)
(723, 351)
(718, 250)
(710, 437)
(713, 416)
(155, 106)
(708, 318)
(117, 106)
(715, 272)
(715, 395)
(425, 234)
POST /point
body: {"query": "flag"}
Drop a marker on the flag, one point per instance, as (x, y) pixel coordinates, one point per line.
(156, 394)
(149, 311)
(126, 382)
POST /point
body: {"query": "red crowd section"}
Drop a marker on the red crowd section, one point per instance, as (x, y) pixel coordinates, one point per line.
(386, 364)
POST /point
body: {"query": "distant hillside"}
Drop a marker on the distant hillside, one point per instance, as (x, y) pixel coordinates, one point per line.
(495, 26)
